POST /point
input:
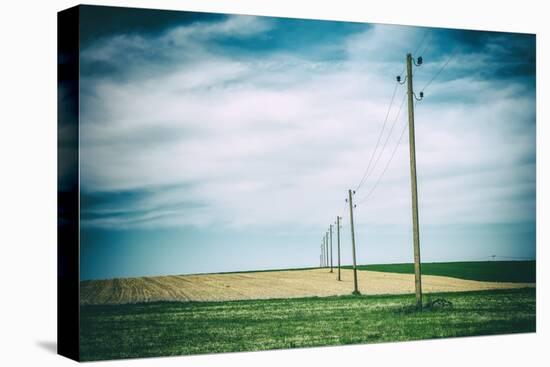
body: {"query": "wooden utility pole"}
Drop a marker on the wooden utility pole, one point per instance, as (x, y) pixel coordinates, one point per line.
(356, 289)
(324, 260)
(338, 240)
(416, 235)
(323, 250)
(330, 230)
(326, 247)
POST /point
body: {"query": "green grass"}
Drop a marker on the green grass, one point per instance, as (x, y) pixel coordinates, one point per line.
(491, 271)
(171, 328)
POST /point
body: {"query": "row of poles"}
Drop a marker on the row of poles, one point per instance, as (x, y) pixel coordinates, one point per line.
(326, 245)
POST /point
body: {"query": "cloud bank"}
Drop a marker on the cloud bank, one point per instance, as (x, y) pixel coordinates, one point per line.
(220, 124)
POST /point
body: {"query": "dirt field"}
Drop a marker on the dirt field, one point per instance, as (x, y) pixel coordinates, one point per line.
(264, 285)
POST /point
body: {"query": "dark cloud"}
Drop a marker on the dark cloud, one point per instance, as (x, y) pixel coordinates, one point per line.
(505, 55)
(100, 22)
(131, 207)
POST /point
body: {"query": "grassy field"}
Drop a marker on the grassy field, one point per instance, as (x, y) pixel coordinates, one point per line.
(178, 328)
(490, 271)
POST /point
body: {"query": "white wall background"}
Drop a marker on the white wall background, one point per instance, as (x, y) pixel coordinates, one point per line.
(28, 181)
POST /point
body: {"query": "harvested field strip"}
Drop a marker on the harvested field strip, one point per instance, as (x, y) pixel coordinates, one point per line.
(267, 285)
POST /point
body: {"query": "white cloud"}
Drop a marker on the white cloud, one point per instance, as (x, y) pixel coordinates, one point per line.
(278, 141)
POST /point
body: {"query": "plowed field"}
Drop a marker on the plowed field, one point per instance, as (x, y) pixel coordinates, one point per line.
(267, 285)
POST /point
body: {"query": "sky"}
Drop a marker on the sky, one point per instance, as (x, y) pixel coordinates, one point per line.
(213, 142)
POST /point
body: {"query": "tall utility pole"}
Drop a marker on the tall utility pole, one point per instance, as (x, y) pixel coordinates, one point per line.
(338, 240)
(416, 235)
(330, 230)
(356, 289)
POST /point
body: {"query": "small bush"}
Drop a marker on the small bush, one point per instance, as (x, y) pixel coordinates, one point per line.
(437, 304)
(429, 305)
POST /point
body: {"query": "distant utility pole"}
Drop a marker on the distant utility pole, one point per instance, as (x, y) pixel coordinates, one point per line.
(326, 247)
(338, 240)
(416, 235)
(351, 206)
(330, 230)
(323, 252)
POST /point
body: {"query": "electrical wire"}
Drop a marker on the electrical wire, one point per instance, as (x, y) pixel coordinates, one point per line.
(387, 137)
(386, 167)
(388, 162)
(439, 71)
(417, 48)
(379, 138)
(425, 50)
(421, 42)
(368, 170)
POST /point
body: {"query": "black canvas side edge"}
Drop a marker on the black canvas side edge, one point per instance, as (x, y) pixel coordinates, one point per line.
(68, 184)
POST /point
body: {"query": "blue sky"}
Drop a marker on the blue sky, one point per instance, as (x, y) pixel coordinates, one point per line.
(219, 143)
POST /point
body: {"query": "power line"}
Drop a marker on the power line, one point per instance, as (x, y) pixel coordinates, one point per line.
(387, 137)
(379, 137)
(439, 71)
(386, 167)
(369, 170)
(425, 50)
(416, 49)
(421, 42)
(367, 173)
(388, 163)
(343, 211)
